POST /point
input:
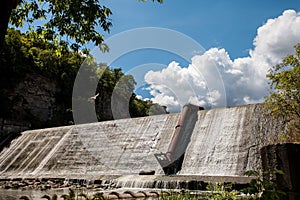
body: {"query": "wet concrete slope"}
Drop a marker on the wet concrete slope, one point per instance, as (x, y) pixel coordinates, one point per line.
(87, 151)
(224, 142)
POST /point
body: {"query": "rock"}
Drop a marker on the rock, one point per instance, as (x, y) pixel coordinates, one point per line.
(284, 157)
(147, 172)
(7, 187)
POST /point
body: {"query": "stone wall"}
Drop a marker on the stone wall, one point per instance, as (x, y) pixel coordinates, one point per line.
(284, 157)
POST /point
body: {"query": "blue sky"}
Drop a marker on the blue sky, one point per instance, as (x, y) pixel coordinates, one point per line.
(242, 40)
(216, 23)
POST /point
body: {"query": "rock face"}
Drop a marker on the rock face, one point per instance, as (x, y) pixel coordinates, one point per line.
(224, 141)
(35, 95)
(12, 126)
(32, 102)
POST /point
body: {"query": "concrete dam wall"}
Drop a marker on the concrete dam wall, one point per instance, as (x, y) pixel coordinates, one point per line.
(223, 142)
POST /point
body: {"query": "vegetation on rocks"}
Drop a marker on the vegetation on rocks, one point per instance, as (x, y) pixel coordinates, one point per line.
(33, 54)
(55, 31)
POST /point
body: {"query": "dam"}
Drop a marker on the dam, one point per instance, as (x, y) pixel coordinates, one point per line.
(222, 142)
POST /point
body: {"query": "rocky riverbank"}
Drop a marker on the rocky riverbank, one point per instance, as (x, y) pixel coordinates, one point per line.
(53, 183)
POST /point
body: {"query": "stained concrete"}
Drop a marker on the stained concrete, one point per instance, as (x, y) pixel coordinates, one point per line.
(284, 157)
(90, 150)
(224, 142)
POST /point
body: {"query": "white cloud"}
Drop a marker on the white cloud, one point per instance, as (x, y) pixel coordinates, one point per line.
(139, 97)
(244, 78)
(173, 86)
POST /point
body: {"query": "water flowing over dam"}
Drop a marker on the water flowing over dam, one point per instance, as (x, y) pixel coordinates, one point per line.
(223, 142)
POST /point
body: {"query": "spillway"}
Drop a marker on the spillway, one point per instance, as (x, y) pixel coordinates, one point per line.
(224, 142)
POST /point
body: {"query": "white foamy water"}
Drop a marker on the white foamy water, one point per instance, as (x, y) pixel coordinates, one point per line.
(224, 142)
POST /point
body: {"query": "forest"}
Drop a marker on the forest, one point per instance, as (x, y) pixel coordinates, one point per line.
(32, 55)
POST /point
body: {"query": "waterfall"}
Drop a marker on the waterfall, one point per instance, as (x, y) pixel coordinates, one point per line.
(223, 142)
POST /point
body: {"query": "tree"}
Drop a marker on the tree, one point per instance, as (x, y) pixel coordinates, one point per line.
(29, 55)
(284, 98)
(76, 19)
(5, 12)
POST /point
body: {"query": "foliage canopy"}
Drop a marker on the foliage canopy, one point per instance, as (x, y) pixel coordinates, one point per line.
(72, 18)
(284, 98)
(78, 20)
(30, 54)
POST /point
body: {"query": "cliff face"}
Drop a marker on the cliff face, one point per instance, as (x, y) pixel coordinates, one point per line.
(37, 101)
(34, 96)
(224, 141)
(31, 102)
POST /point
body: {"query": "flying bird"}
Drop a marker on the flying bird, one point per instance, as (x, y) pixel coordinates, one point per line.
(94, 97)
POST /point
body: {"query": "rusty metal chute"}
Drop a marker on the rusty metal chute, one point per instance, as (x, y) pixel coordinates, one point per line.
(171, 161)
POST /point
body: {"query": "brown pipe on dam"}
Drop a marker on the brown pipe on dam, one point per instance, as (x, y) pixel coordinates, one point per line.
(171, 161)
(178, 142)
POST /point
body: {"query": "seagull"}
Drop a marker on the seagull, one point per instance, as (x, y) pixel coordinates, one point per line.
(94, 97)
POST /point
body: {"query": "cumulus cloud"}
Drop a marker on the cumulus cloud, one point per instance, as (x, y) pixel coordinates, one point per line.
(214, 79)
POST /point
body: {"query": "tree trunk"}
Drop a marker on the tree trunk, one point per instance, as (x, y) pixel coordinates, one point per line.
(5, 12)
